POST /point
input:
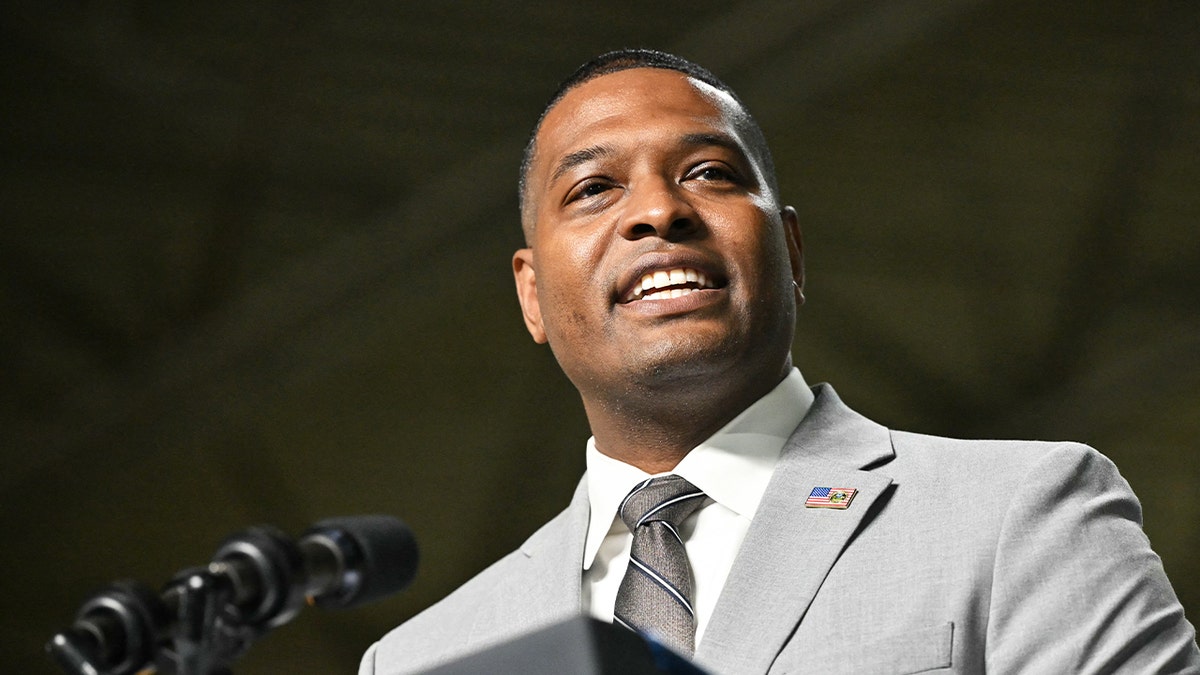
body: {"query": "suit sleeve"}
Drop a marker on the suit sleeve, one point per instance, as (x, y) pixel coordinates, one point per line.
(1076, 586)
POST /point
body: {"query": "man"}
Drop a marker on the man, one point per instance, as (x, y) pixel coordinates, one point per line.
(665, 275)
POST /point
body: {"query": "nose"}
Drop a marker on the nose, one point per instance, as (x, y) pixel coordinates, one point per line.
(657, 208)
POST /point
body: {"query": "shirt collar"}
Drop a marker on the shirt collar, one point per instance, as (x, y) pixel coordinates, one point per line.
(732, 467)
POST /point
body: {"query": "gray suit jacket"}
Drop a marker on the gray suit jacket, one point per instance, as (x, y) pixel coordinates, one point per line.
(955, 556)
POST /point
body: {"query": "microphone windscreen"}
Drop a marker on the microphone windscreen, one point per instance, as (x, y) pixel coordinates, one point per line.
(380, 554)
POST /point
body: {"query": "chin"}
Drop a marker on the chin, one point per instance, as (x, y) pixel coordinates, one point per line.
(693, 360)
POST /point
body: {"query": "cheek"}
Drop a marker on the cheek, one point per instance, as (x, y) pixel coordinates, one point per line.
(569, 289)
(761, 255)
(753, 237)
(577, 261)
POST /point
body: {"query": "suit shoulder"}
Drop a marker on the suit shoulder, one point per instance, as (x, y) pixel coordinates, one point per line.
(1025, 448)
(426, 639)
(495, 603)
(1002, 456)
(1000, 474)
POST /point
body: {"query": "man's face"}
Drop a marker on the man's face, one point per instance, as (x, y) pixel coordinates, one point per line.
(657, 253)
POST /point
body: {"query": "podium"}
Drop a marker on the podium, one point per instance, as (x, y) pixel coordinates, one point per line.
(577, 646)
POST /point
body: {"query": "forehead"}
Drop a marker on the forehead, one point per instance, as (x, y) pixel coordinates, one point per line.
(628, 100)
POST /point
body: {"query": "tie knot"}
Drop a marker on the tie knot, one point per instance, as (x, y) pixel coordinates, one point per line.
(669, 499)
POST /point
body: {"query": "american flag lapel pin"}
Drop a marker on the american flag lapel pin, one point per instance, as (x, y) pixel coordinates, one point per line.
(830, 498)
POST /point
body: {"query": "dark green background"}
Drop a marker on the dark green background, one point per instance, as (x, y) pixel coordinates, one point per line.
(255, 263)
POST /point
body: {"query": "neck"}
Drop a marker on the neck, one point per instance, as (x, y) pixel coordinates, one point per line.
(654, 430)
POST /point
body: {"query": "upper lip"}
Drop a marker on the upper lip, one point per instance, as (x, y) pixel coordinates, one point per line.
(655, 261)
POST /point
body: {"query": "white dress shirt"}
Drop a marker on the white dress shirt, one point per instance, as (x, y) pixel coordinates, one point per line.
(732, 467)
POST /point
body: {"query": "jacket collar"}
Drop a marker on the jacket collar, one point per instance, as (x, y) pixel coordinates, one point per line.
(783, 561)
(790, 548)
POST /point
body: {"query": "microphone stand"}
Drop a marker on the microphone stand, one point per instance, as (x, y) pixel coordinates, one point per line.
(124, 627)
(201, 644)
(204, 618)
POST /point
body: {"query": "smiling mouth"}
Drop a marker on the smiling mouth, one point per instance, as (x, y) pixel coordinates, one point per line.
(666, 284)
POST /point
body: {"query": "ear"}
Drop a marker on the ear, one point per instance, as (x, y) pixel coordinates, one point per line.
(526, 278)
(795, 244)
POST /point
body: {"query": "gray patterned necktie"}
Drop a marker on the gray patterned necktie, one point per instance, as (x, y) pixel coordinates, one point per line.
(655, 597)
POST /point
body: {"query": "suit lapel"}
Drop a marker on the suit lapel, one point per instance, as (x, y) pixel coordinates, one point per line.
(545, 574)
(789, 548)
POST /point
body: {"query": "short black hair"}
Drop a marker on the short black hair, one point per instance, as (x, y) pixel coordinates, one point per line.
(628, 59)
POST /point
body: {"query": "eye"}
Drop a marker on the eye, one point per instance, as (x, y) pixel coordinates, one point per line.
(712, 171)
(587, 189)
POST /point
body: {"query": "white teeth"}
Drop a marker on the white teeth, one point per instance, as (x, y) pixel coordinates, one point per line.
(670, 293)
(644, 290)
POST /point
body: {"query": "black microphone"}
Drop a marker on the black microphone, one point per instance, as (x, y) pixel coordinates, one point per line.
(356, 560)
(259, 579)
(337, 563)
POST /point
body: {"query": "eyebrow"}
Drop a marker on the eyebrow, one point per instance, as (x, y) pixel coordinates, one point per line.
(578, 157)
(698, 140)
(712, 139)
